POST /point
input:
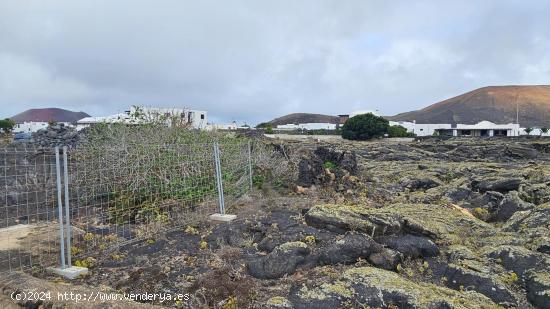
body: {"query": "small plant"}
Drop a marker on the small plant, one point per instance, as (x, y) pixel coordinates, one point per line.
(191, 230)
(88, 236)
(75, 250)
(310, 239)
(481, 213)
(510, 278)
(330, 165)
(203, 245)
(150, 241)
(88, 262)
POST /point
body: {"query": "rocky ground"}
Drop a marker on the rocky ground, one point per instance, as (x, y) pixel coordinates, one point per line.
(458, 223)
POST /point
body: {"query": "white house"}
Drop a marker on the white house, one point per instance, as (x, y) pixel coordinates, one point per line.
(483, 128)
(137, 115)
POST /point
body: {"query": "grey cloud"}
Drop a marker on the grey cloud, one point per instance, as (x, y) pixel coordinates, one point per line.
(255, 60)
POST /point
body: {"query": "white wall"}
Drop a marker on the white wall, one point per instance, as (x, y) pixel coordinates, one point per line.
(197, 119)
(33, 126)
(535, 132)
(420, 129)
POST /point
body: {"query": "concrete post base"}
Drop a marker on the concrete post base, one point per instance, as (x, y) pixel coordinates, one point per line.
(223, 218)
(69, 272)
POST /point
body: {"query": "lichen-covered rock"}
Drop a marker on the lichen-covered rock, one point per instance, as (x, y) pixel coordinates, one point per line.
(536, 193)
(278, 302)
(420, 183)
(511, 204)
(283, 260)
(518, 259)
(349, 248)
(410, 245)
(379, 288)
(534, 221)
(477, 277)
(538, 288)
(434, 221)
(499, 185)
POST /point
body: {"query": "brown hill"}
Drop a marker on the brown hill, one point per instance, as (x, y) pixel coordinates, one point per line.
(304, 118)
(496, 104)
(49, 114)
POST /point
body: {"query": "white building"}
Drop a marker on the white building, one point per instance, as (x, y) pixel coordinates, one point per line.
(227, 126)
(421, 129)
(483, 128)
(307, 126)
(137, 115)
(34, 126)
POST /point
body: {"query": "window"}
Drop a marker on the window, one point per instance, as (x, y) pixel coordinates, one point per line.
(202, 116)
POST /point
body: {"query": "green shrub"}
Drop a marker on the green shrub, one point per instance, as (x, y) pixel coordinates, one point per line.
(330, 165)
(365, 127)
(6, 125)
(399, 131)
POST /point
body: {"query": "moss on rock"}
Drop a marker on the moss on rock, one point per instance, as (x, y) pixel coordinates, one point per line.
(435, 221)
(379, 288)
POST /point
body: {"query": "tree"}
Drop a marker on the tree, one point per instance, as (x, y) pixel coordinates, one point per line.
(528, 130)
(7, 125)
(543, 131)
(364, 127)
(399, 131)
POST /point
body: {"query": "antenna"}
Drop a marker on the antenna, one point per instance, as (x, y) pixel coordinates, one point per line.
(517, 109)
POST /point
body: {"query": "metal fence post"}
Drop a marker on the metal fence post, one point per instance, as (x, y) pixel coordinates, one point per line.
(60, 207)
(67, 208)
(250, 164)
(219, 180)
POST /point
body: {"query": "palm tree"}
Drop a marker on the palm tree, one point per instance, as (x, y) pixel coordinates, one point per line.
(543, 131)
(528, 130)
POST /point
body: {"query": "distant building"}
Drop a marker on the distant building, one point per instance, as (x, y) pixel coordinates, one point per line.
(228, 126)
(483, 128)
(307, 126)
(138, 115)
(421, 129)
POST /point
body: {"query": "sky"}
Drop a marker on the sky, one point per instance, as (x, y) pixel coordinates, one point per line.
(252, 61)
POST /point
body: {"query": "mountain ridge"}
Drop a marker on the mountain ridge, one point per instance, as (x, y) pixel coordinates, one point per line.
(48, 114)
(497, 104)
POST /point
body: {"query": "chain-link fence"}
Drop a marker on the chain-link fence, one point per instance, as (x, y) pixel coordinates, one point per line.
(29, 212)
(108, 197)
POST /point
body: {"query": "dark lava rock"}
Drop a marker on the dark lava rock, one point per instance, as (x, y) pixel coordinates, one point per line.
(510, 205)
(283, 260)
(234, 234)
(537, 285)
(370, 287)
(311, 170)
(499, 185)
(457, 277)
(536, 194)
(460, 194)
(518, 259)
(421, 184)
(410, 245)
(351, 247)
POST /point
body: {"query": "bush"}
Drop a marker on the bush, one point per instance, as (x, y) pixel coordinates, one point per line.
(6, 125)
(399, 131)
(364, 127)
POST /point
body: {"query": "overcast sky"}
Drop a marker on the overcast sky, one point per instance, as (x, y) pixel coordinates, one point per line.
(256, 60)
